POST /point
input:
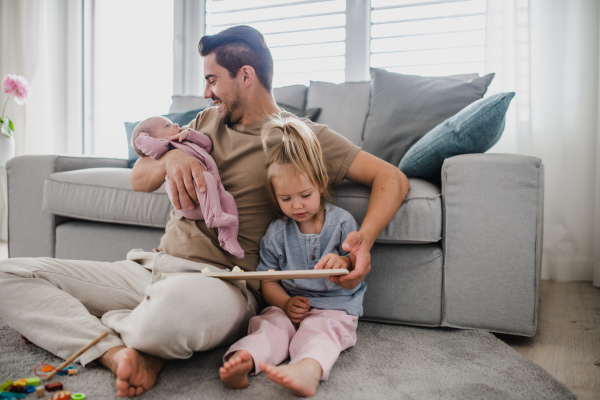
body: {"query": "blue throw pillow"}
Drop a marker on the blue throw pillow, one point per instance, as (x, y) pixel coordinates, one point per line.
(474, 129)
(181, 118)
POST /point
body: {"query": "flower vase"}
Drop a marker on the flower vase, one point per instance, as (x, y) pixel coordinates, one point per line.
(7, 149)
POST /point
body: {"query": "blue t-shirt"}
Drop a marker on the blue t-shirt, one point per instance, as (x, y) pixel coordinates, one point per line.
(285, 248)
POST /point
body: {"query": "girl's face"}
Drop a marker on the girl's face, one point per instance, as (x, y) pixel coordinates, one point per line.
(299, 199)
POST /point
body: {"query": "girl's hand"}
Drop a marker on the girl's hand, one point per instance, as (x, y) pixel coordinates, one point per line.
(333, 261)
(296, 308)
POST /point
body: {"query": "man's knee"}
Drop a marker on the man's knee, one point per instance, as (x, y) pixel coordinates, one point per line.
(183, 314)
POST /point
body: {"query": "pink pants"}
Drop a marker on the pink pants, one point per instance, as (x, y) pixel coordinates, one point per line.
(322, 335)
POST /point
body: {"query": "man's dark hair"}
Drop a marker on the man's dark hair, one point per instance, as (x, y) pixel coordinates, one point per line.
(238, 46)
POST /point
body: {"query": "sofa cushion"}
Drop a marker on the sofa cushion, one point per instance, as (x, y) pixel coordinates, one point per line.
(404, 108)
(475, 129)
(419, 219)
(344, 106)
(294, 96)
(105, 195)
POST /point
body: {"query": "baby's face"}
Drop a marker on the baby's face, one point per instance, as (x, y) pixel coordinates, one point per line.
(163, 128)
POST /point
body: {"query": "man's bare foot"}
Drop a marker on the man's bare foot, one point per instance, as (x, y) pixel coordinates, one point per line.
(234, 373)
(136, 372)
(302, 378)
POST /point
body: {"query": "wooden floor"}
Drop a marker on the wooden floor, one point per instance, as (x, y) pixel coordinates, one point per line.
(567, 342)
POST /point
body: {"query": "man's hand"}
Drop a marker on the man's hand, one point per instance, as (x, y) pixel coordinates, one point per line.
(360, 256)
(183, 170)
(296, 308)
(333, 261)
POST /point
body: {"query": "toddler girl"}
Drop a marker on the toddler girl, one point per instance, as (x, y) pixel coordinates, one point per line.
(309, 320)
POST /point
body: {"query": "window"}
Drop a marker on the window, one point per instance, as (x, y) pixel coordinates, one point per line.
(428, 37)
(306, 37)
(337, 40)
(128, 69)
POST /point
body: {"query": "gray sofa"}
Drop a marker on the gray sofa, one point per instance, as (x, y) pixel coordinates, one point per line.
(463, 254)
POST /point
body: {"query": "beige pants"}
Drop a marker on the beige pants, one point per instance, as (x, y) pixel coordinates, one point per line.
(57, 305)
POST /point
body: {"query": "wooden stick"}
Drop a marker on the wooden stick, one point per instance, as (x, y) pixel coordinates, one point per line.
(74, 356)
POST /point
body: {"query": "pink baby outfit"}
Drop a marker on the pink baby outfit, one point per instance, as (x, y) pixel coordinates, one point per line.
(216, 206)
(322, 335)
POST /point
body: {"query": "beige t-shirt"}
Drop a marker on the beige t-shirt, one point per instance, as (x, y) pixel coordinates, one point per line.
(238, 152)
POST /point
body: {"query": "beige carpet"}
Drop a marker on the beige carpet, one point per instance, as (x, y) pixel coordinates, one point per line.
(388, 362)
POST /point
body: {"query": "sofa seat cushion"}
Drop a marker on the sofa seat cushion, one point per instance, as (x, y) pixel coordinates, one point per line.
(419, 219)
(105, 195)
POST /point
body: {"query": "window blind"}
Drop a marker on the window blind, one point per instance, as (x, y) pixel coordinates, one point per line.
(306, 37)
(428, 37)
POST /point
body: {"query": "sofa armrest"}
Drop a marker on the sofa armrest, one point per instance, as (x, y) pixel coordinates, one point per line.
(493, 217)
(31, 231)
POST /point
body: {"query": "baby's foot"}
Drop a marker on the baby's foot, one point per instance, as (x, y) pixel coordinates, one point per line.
(230, 244)
(234, 373)
(302, 378)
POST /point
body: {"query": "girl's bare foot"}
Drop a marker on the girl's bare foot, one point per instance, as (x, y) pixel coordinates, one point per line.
(302, 378)
(136, 372)
(235, 370)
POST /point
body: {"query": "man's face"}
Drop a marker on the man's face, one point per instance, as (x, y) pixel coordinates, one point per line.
(224, 91)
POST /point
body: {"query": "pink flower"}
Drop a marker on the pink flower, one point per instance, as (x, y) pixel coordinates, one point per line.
(16, 86)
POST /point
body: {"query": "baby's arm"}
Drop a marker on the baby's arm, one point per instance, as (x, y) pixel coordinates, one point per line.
(200, 139)
(274, 294)
(181, 136)
(152, 147)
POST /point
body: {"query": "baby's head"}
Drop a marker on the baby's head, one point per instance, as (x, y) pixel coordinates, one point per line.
(156, 127)
(298, 153)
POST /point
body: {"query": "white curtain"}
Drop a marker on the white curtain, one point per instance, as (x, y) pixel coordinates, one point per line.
(547, 51)
(38, 40)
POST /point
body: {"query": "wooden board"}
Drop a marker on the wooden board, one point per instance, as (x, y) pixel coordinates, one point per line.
(274, 275)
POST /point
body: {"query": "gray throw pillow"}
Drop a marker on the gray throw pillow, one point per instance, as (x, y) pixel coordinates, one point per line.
(404, 108)
(345, 106)
(294, 95)
(475, 129)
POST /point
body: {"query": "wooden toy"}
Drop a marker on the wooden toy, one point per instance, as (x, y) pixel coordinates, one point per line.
(33, 381)
(73, 371)
(78, 396)
(12, 395)
(20, 383)
(40, 391)
(29, 389)
(54, 386)
(62, 395)
(74, 356)
(5, 385)
(16, 389)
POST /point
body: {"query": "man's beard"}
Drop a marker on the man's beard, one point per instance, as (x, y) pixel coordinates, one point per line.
(227, 118)
(236, 105)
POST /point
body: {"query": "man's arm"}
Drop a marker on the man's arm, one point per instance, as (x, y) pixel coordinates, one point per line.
(389, 187)
(148, 175)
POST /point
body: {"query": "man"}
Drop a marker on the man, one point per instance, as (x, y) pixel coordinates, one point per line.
(158, 319)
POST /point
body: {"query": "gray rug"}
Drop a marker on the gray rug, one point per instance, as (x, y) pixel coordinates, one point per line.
(388, 362)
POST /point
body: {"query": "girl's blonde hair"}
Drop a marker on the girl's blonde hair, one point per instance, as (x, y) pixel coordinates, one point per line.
(298, 149)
